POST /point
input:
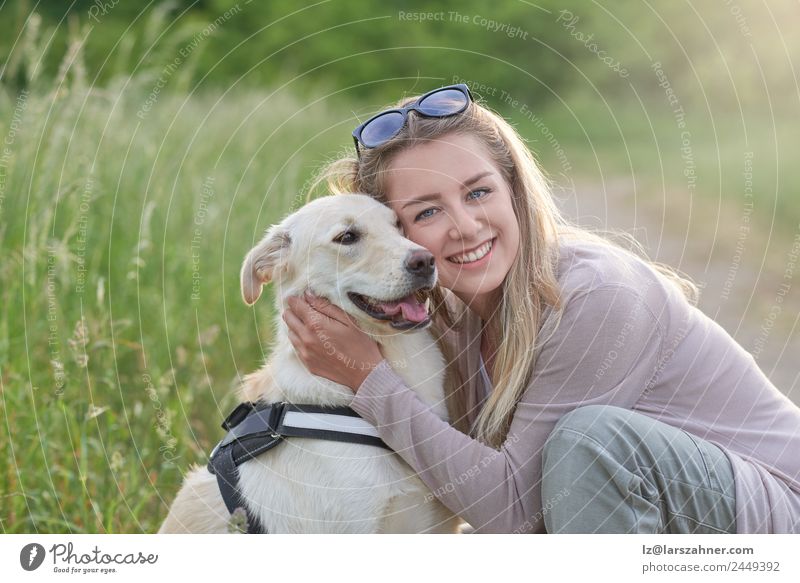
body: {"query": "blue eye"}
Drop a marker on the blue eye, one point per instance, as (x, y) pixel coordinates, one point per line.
(482, 190)
(429, 212)
(426, 214)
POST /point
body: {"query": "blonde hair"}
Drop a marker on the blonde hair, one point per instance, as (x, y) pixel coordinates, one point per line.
(531, 284)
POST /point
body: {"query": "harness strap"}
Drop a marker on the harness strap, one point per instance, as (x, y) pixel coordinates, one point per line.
(256, 428)
(227, 478)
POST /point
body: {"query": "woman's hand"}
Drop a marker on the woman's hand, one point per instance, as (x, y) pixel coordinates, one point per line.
(328, 342)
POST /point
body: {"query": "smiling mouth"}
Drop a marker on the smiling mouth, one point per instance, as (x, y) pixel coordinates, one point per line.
(404, 313)
(475, 255)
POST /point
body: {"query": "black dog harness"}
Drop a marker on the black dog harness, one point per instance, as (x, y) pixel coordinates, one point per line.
(254, 428)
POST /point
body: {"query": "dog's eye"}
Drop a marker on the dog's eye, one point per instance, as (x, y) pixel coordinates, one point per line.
(347, 238)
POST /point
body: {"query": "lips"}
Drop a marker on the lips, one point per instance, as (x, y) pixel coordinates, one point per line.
(474, 254)
(403, 313)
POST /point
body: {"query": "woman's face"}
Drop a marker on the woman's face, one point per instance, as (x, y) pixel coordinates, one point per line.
(452, 200)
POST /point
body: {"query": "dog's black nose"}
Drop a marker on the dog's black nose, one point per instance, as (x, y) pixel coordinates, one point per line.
(420, 263)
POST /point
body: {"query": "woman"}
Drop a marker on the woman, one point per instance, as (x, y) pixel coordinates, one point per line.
(587, 392)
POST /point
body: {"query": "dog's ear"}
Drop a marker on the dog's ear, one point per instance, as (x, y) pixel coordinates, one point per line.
(261, 263)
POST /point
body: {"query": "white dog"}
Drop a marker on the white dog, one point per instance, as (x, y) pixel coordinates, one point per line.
(347, 248)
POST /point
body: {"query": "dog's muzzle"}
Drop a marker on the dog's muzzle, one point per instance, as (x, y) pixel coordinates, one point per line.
(405, 313)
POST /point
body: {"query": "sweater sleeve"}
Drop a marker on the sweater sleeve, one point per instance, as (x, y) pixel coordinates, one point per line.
(604, 351)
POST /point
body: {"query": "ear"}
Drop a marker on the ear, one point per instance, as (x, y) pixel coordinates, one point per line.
(263, 261)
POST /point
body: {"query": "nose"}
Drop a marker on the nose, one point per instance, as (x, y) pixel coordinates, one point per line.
(466, 225)
(420, 263)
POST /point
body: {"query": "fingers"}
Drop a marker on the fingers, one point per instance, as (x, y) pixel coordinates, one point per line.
(306, 315)
(296, 333)
(324, 306)
(293, 321)
(310, 308)
(302, 327)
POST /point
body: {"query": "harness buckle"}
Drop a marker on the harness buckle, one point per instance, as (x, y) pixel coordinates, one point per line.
(238, 415)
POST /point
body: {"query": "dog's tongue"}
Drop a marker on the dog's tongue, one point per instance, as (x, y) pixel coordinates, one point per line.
(412, 310)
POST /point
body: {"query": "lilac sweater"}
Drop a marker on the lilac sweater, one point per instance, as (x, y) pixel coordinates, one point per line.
(627, 338)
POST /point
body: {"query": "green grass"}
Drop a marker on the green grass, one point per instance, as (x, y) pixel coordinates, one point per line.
(116, 364)
(115, 369)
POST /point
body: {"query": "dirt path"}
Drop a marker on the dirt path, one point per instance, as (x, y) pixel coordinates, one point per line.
(749, 273)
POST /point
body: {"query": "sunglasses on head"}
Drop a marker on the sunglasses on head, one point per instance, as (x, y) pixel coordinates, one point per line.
(442, 102)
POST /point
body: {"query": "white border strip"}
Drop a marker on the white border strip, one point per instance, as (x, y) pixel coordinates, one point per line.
(329, 422)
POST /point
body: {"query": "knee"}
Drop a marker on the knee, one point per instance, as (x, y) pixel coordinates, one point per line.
(572, 446)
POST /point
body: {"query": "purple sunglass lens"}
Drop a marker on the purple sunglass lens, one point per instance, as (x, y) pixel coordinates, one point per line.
(381, 129)
(443, 102)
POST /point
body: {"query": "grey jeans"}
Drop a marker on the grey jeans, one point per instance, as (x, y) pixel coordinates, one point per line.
(612, 470)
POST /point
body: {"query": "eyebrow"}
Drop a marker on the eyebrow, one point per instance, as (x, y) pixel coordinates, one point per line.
(435, 195)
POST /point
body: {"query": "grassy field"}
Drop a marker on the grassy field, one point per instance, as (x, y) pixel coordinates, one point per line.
(122, 330)
(124, 218)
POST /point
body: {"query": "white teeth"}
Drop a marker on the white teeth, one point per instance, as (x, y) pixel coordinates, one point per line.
(479, 253)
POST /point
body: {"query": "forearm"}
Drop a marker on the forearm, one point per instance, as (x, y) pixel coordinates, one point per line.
(489, 488)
